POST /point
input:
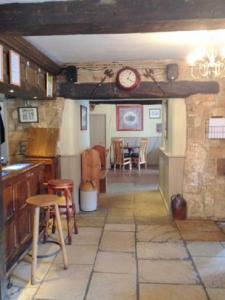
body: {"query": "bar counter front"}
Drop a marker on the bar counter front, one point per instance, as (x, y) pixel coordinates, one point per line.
(19, 181)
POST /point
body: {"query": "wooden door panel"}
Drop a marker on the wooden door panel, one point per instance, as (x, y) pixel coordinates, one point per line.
(21, 193)
(24, 225)
(8, 203)
(11, 241)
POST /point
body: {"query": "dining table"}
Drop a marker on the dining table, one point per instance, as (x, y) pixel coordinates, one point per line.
(130, 149)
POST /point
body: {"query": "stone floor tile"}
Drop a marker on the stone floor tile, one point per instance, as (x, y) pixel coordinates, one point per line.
(120, 220)
(197, 225)
(206, 249)
(79, 254)
(119, 227)
(112, 287)
(27, 293)
(146, 220)
(117, 202)
(154, 212)
(117, 212)
(162, 271)
(90, 221)
(115, 262)
(167, 250)
(211, 270)
(118, 241)
(65, 284)
(158, 233)
(216, 294)
(22, 273)
(213, 236)
(87, 236)
(171, 292)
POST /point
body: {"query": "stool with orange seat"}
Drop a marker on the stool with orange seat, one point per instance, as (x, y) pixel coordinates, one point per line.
(64, 187)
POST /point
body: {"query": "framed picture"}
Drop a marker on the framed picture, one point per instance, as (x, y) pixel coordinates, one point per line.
(49, 85)
(1, 64)
(154, 113)
(14, 68)
(83, 117)
(129, 117)
(28, 114)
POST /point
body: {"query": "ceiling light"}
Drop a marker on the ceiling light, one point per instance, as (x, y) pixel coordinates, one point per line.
(207, 63)
(11, 91)
(35, 97)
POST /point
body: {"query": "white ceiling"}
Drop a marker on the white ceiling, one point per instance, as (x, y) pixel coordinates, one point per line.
(99, 48)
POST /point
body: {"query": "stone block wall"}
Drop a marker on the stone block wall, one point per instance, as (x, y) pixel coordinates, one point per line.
(203, 186)
(50, 115)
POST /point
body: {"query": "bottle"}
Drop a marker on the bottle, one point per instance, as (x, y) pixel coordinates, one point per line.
(178, 207)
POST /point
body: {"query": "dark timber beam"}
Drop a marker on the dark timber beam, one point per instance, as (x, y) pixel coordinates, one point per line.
(127, 101)
(111, 16)
(25, 49)
(179, 89)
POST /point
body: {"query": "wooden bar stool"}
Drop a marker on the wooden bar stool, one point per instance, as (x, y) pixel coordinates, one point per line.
(64, 187)
(39, 201)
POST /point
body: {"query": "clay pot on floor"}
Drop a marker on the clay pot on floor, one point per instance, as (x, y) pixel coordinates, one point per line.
(178, 207)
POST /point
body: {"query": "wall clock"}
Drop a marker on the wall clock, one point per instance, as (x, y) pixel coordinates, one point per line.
(128, 78)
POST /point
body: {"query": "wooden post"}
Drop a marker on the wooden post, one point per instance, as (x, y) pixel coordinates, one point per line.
(2, 247)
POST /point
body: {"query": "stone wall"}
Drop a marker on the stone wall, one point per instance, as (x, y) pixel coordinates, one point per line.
(50, 114)
(203, 188)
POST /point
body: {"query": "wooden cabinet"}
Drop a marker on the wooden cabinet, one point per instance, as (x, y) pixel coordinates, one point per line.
(51, 166)
(17, 187)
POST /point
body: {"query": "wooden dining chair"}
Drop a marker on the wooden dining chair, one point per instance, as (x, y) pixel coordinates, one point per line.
(119, 157)
(140, 158)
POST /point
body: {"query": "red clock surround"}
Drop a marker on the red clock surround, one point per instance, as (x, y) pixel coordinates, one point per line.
(128, 78)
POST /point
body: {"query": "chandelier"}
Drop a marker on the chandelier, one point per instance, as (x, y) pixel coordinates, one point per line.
(207, 63)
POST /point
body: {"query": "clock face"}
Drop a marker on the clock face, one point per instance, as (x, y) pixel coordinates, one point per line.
(128, 78)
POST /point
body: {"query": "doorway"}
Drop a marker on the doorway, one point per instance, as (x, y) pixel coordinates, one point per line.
(97, 130)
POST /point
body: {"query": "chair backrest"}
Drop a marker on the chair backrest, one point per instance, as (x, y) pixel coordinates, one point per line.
(91, 166)
(103, 154)
(118, 151)
(143, 149)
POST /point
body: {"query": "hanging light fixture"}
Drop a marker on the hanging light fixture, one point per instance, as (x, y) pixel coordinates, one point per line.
(207, 63)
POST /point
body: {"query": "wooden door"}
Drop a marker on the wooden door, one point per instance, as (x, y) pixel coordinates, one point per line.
(97, 130)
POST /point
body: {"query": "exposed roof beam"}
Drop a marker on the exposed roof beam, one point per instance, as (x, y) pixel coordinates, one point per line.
(111, 16)
(177, 89)
(30, 52)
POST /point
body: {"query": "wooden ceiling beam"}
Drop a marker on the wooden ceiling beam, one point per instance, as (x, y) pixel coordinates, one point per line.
(28, 51)
(111, 16)
(177, 89)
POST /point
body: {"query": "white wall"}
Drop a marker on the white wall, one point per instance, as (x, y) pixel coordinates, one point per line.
(175, 144)
(72, 142)
(149, 127)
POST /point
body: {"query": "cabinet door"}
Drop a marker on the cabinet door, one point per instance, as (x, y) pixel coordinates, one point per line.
(23, 217)
(11, 242)
(33, 183)
(11, 245)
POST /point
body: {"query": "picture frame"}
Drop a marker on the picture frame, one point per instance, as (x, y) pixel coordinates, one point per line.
(129, 117)
(1, 64)
(28, 114)
(83, 117)
(49, 85)
(14, 68)
(154, 113)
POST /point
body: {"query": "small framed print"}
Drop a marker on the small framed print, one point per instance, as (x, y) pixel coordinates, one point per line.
(154, 113)
(1, 64)
(83, 117)
(49, 85)
(28, 114)
(14, 68)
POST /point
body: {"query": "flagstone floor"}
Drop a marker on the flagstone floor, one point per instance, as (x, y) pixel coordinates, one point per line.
(129, 249)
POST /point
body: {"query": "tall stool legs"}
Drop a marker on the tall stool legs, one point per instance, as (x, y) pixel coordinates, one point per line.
(65, 187)
(39, 201)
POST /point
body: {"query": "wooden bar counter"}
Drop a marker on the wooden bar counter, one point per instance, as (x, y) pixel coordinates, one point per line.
(19, 181)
